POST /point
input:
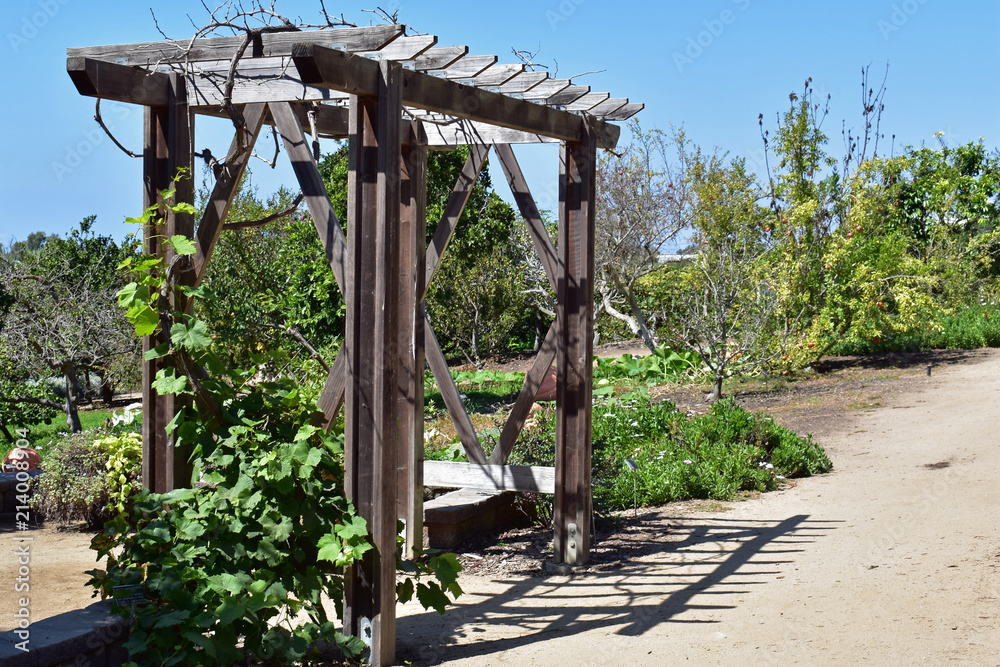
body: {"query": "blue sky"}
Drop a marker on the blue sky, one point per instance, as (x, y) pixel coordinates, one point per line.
(711, 66)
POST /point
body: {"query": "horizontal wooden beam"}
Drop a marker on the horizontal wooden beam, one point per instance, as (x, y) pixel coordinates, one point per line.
(527, 479)
(359, 76)
(371, 38)
(467, 132)
(108, 81)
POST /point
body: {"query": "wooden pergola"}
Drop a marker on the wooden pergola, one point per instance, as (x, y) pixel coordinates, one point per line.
(393, 97)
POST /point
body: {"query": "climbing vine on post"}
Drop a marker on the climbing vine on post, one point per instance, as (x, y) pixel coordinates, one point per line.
(231, 566)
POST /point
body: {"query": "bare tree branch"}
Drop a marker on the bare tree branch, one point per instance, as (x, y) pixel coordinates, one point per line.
(289, 210)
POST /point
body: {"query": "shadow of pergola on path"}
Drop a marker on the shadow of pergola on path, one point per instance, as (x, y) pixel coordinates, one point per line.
(687, 580)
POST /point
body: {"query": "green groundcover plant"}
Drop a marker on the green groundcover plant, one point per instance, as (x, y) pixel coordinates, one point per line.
(236, 569)
(680, 456)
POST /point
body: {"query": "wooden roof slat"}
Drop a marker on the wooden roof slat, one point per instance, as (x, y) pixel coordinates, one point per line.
(523, 82)
(567, 95)
(370, 38)
(607, 106)
(625, 112)
(402, 48)
(439, 57)
(587, 101)
(359, 76)
(468, 67)
(547, 89)
(497, 75)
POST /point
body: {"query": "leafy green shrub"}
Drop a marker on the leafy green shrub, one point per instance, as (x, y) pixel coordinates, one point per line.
(89, 476)
(664, 365)
(717, 455)
(236, 569)
(967, 329)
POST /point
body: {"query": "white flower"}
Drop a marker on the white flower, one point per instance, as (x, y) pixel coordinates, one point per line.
(635, 423)
(688, 461)
(765, 465)
(779, 477)
(609, 414)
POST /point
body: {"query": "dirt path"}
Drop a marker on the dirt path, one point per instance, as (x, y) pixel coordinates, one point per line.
(894, 558)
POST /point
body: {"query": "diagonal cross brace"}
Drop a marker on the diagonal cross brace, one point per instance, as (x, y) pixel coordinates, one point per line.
(225, 188)
(529, 211)
(522, 407)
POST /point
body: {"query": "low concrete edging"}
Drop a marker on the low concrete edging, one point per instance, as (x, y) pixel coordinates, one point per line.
(89, 637)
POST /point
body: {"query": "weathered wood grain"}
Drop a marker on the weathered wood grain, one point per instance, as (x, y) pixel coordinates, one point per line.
(546, 89)
(402, 48)
(522, 82)
(464, 133)
(388, 426)
(607, 106)
(439, 57)
(331, 399)
(108, 81)
(497, 75)
(467, 67)
(625, 112)
(413, 223)
(372, 427)
(573, 503)
(348, 73)
(567, 95)
(529, 211)
(306, 170)
(526, 479)
(587, 102)
(370, 38)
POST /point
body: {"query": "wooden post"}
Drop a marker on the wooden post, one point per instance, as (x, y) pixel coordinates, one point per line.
(166, 148)
(372, 427)
(573, 500)
(412, 243)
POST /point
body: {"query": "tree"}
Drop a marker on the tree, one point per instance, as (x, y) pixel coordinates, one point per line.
(946, 202)
(642, 203)
(272, 286)
(873, 286)
(727, 304)
(805, 197)
(60, 318)
(13, 382)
